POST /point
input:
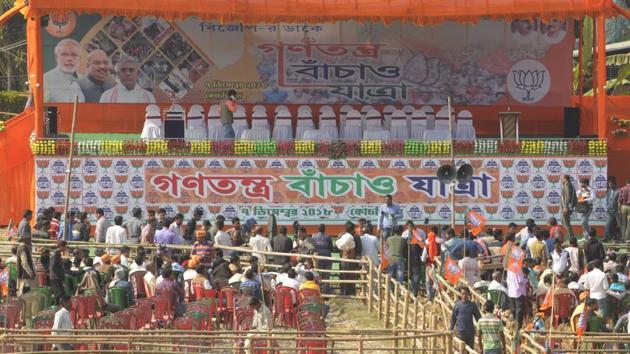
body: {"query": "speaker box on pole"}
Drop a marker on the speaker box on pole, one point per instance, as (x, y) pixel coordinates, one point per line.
(571, 122)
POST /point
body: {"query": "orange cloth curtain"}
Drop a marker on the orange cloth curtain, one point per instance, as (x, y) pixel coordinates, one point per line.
(273, 11)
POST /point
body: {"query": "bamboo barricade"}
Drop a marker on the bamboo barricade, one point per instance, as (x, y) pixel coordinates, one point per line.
(568, 342)
(173, 341)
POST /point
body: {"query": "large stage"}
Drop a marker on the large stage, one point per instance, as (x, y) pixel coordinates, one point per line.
(300, 181)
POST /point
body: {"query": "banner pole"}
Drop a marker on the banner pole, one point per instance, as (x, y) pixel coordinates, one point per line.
(69, 168)
(450, 133)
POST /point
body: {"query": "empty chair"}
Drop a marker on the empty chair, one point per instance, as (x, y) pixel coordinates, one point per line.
(465, 128)
(196, 128)
(259, 120)
(342, 115)
(305, 109)
(353, 130)
(152, 128)
(259, 108)
(175, 112)
(279, 108)
(304, 122)
(441, 131)
(328, 125)
(418, 124)
(215, 130)
(399, 130)
(255, 134)
(240, 122)
(387, 115)
(373, 120)
(429, 115)
(408, 109)
(325, 108)
(376, 134)
(367, 108)
(282, 129)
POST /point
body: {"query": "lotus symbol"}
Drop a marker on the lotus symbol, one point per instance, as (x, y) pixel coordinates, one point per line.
(528, 81)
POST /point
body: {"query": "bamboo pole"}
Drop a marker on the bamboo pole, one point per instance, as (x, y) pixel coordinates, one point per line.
(387, 299)
(406, 310)
(69, 168)
(379, 294)
(370, 281)
(396, 301)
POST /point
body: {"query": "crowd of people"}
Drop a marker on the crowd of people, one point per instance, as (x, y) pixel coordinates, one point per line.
(543, 266)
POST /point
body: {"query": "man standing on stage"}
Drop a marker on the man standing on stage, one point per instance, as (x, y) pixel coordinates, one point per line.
(612, 210)
(389, 214)
(568, 201)
(624, 209)
(227, 115)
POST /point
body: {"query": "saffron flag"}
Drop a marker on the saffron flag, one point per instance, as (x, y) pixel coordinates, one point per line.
(416, 239)
(452, 271)
(582, 321)
(477, 222)
(384, 260)
(515, 259)
(548, 301)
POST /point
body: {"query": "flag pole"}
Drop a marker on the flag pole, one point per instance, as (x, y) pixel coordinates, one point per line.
(68, 222)
(450, 132)
(553, 300)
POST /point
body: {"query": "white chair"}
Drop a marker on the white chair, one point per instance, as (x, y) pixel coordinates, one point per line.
(367, 108)
(373, 120)
(259, 108)
(282, 129)
(175, 112)
(328, 125)
(441, 131)
(304, 122)
(429, 115)
(325, 108)
(465, 128)
(342, 115)
(259, 120)
(377, 134)
(353, 130)
(152, 128)
(408, 109)
(314, 135)
(196, 128)
(215, 129)
(255, 134)
(418, 124)
(279, 108)
(305, 109)
(240, 121)
(387, 115)
(399, 130)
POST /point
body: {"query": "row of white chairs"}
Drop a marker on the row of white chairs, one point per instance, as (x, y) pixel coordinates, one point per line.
(368, 124)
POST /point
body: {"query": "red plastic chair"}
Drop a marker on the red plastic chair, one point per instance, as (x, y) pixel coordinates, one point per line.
(185, 324)
(564, 304)
(308, 293)
(201, 293)
(283, 306)
(243, 318)
(110, 322)
(163, 309)
(138, 285)
(10, 315)
(42, 278)
(129, 319)
(226, 305)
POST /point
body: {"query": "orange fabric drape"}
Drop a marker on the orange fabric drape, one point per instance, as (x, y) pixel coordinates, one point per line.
(274, 11)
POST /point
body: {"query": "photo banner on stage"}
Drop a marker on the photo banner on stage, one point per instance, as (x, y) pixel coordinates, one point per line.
(147, 59)
(313, 190)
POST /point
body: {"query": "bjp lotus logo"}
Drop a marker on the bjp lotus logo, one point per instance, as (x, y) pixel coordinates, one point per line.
(529, 81)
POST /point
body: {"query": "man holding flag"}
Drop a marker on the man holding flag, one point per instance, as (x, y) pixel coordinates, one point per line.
(516, 280)
(415, 238)
(431, 251)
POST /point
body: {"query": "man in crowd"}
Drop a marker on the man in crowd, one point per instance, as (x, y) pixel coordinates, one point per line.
(191, 226)
(593, 248)
(176, 228)
(596, 282)
(613, 218)
(370, 245)
(323, 247)
(102, 224)
(97, 79)
(585, 197)
(57, 272)
(116, 234)
(128, 90)
(26, 277)
(389, 214)
(281, 243)
(60, 83)
(568, 201)
(62, 322)
(24, 228)
(134, 226)
(462, 317)
(490, 329)
(259, 243)
(165, 236)
(624, 209)
(397, 254)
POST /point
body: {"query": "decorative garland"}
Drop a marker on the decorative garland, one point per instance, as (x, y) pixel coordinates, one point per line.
(332, 150)
(623, 125)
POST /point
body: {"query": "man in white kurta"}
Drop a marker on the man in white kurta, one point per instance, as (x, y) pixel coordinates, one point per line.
(128, 90)
(60, 83)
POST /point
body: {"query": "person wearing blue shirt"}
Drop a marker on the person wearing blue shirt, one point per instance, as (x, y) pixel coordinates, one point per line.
(389, 214)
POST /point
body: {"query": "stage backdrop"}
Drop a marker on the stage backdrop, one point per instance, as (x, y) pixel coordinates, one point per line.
(316, 190)
(194, 61)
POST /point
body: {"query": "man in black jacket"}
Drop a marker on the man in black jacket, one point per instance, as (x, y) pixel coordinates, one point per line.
(281, 243)
(593, 248)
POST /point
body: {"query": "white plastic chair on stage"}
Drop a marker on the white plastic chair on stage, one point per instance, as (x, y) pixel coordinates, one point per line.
(328, 125)
(259, 120)
(259, 108)
(175, 112)
(240, 121)
(304, 122)
(279, 108)
(399, 129)
(282, 128)
(441, 131)
(326, 108)
(152, 128)
(376, 134)
(343, 111)
(353, 129)
(215, 130)
(315, 135)
(196, 128)
(429, 115)
(255, 134)
(304, 109)
(408, 109)
(465, 128)
(373, 120)
(387, 115)
(418, 124)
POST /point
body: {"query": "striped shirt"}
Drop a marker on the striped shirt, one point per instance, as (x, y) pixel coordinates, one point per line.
(624, 195)
(490, 327)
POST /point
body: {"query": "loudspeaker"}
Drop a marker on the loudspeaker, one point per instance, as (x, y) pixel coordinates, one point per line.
(43, 21)
(464, 173)
(50, 120)
(174, 129)
(446, 173)
(571, 122)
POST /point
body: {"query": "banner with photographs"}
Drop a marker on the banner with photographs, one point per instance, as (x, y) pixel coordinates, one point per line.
(502, 190)
(148, 59)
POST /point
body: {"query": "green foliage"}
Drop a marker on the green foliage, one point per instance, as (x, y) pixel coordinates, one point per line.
(12, 102)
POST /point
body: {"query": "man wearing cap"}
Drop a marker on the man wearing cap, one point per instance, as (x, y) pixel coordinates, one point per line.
(106, 266)
(202, 248)
(25, 266)
(190, 274)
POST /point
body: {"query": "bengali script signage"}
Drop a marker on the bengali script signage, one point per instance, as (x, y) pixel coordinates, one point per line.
(195, 61)
(316, 190)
